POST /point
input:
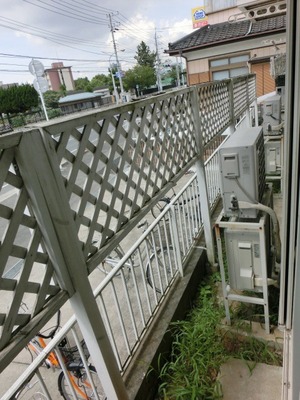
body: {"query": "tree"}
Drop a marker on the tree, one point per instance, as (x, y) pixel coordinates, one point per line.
(63, 90)
(143, 76)
(100, 80)
(83, 84)
(172, 74)
(18, 99)
(51, 98)
(144, 56)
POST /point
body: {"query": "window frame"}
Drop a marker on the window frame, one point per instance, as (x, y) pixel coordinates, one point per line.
(229, 66)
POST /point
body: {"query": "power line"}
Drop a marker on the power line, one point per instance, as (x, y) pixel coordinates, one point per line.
(67, 6)
(89, 5)
(69, 14)
(47, 58)
(20, 26)
(134, 28)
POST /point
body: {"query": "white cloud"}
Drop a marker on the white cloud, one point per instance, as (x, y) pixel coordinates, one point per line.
(138, 21)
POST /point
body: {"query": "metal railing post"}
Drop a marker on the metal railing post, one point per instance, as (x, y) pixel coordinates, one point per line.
(255, 113)
(175, 237)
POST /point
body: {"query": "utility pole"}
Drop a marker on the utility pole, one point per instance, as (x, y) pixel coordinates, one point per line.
(112, 29)
(159, 84)
(116, 94)
(181, 69)
(177, 72)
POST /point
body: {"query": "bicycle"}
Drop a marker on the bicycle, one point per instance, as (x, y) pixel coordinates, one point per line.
(158, 255)
(179, 205)
(83, 383)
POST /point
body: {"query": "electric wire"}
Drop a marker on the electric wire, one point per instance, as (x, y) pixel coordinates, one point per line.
(70, 14)
(134, 28)
(32, 30)
(67, 6)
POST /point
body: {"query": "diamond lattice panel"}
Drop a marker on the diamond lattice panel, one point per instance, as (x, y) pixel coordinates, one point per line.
(27, 279)
(114, 162)
(214, 107)
(244, 93)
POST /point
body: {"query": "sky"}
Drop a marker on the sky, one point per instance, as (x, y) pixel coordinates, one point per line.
(78, 33)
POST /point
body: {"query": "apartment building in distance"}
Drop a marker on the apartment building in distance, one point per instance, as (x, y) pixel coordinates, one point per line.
(59, 75)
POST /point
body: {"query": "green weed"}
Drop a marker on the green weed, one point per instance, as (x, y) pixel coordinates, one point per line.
(200, 348)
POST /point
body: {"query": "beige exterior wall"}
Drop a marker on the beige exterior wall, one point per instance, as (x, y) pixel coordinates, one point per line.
(222, 16)
(198, 66)
(268, 51)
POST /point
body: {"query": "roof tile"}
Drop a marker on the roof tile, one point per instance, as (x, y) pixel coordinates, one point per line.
(225, 31)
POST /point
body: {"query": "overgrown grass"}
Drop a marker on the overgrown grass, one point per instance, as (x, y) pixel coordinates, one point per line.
(200, 348)
(255, 312)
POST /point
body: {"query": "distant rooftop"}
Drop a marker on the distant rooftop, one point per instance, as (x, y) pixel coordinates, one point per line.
(78, 96)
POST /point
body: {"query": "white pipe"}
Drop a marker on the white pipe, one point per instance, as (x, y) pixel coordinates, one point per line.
(268, 210)
(277, 127)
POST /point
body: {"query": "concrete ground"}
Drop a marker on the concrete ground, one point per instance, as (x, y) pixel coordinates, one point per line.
(240, 382)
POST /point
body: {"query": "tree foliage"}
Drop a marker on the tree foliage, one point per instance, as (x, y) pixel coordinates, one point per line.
(51, 98)
(97, 81)
(18, 99)
(83, 84)
(141, 75)
(100, 80)
(144, 56)
(172, 74)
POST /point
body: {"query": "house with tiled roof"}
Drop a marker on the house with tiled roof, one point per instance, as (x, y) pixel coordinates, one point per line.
(243, 41)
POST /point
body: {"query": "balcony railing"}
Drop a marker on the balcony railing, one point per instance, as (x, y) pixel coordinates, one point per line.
(71, 191)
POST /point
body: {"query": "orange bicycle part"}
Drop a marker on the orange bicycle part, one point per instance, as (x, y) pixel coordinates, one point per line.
(51, 356)
(77, 388)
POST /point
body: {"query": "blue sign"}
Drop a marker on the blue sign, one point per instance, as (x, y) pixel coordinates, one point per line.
(199, 14)
(117, 74)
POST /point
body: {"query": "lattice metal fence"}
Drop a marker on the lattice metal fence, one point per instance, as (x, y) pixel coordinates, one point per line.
(113, 165)
(244, 93)
(215, 109)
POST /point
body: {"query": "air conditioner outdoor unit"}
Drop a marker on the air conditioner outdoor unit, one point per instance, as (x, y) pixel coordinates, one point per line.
(242, 169)
(273, 157)
(271, 114)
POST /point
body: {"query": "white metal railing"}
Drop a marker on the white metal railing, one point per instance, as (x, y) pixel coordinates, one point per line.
(130, 294)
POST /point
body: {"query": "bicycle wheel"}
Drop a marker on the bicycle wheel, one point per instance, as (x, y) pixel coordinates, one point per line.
(112, 260)
(162, 203)
(81, 384)
(161, 269)
(159, 207)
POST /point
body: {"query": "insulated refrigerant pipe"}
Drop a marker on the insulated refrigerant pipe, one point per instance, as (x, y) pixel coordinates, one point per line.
(268, 210)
